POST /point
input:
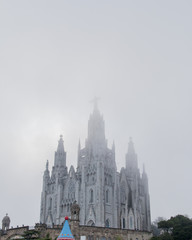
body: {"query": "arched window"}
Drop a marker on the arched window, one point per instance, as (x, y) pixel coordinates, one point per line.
(123, 193)
(123, 222)
(50, 203)
(131, 222)
(107, 223)
(138, 224)
(91, 196)
(107, 196)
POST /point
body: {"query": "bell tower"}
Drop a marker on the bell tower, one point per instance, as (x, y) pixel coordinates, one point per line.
(75, 211)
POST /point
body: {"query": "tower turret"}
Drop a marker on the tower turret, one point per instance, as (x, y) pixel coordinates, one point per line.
(46, 176)
(46, 181)
(79, 153)
(145, 180)
(147, 218)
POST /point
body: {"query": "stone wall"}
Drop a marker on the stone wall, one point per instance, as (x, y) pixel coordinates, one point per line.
(13, 233)
(90, 232)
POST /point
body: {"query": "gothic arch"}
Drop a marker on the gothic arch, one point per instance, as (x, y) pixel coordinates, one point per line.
(107, 223)
(91, 223)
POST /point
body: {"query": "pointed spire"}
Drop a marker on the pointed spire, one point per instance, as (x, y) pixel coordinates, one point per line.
(145, 180)
(46, 172)
(47, 165)
(131, 157)
(95, 104)
(60, 154)
(96, 128)
(131, 149)
(144, 174)
(60, 147)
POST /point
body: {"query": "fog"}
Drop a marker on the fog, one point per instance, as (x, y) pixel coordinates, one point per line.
(56, 56)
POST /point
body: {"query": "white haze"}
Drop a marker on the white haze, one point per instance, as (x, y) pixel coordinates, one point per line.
(56, 56)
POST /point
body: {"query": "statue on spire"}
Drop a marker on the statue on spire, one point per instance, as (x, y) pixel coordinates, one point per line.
(95, 101)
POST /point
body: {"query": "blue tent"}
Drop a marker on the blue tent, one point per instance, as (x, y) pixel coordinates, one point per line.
(66, 232)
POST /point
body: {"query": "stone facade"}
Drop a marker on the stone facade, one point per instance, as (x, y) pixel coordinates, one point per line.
(89, 232)
(106, 198)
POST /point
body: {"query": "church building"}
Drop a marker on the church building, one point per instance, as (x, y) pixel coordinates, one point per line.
(106, 197)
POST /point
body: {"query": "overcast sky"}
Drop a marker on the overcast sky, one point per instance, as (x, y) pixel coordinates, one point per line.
(56, 56)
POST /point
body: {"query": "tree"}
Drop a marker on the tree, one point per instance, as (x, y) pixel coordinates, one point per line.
(31, 234)
(34, 234)
(154, 226)
(46, 238)
(164, 236)
(182, 227)
(176, 228)
(165, 225)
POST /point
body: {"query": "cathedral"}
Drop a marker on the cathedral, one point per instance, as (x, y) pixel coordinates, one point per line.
(106, 197)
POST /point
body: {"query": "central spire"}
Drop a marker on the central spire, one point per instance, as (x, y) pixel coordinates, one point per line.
(95, 104)
(60, 154)
(131, 149)
(96, 127)
(131, 157)
(60, 147)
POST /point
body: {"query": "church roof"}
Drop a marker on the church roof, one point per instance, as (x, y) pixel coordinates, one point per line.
(66, 232)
